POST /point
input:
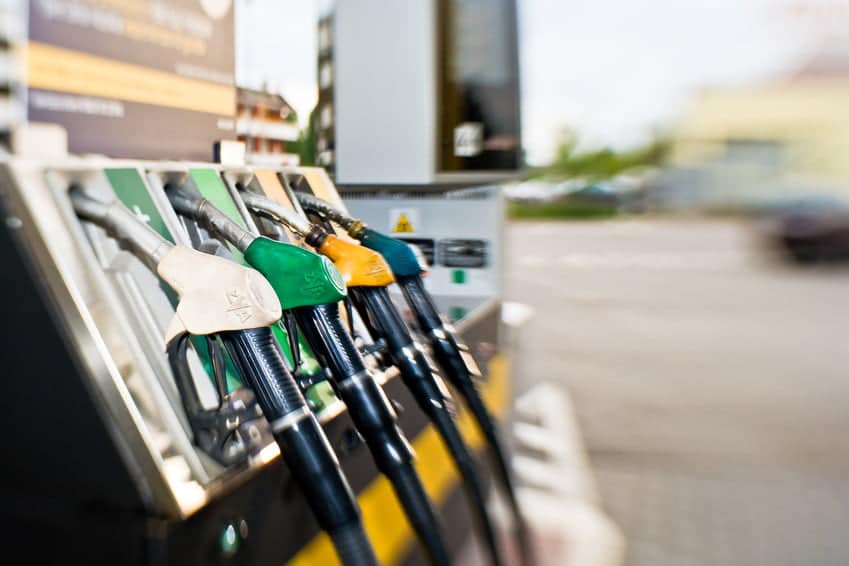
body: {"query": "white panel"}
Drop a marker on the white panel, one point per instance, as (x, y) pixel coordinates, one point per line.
(385, 91)
(442, 218)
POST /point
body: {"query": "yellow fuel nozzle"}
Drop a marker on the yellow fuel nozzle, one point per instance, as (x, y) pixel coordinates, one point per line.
(360, 266)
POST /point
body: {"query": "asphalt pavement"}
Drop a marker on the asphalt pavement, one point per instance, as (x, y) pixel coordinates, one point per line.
(710, 382)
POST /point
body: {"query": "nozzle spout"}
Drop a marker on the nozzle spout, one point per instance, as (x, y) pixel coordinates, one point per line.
(278, 212)
(130, 232)
(209, 216)
(326, 209)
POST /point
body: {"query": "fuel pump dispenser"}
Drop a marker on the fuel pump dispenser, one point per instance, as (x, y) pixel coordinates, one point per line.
(238, 309)
(174, 421)
(309, 288)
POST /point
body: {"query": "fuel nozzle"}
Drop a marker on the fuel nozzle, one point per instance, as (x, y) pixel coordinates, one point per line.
(132, 234)
(207, 215)
(403, 258)
(353, 226)
(199, 311)
(313, 234)
(249, 302)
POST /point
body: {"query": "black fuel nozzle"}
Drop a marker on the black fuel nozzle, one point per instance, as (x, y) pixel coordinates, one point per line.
(455, 360)
(432, 398)
(375, 419)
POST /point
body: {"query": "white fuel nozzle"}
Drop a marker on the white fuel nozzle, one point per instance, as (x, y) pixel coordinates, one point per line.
(216, 294)
(130, 232)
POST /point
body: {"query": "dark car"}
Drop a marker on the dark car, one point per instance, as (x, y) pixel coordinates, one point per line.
(810, 230)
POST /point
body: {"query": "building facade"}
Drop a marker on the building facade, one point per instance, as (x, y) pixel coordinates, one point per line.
(784, 138)
(268, 126)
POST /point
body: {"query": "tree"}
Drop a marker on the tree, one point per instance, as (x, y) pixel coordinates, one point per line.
(306, 144)
(600, 163)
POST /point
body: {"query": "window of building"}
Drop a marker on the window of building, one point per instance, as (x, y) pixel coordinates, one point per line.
(326, 116)
(324, 36)
(325, 74)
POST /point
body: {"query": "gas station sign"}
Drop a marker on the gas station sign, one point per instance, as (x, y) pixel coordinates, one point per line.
(134, 78)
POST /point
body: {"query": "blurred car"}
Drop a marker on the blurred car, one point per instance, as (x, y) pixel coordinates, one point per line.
(538, 191)
(809, 230)
(599, 194)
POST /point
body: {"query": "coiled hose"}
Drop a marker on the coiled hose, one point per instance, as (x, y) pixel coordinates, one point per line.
(432, 399)
(375, 419)
(303, 444)
(447, 352)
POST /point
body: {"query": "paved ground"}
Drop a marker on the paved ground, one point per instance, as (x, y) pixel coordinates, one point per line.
(711, 384)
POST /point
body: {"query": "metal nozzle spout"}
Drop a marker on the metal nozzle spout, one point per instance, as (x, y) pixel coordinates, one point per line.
(327, 210)
(278, 212)
(199, 209)
(130, 232)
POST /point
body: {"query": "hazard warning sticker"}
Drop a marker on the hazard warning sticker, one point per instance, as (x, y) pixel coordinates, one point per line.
(404, 220)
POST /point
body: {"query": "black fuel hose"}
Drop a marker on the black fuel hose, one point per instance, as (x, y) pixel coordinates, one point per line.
(303, 444)
(431, 398)
(447, 352)
(375, 420)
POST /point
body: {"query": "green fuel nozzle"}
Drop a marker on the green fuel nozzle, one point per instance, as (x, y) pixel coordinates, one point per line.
(299, 277)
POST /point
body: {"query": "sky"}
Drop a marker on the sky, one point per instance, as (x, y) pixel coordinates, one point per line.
(614, 71)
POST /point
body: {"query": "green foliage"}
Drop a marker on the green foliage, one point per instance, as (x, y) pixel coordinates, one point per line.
(559, 210)
(599, 163)
(307, 142)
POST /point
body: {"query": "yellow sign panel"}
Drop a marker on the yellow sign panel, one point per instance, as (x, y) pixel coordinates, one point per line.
(404, 220)
(403, 225)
